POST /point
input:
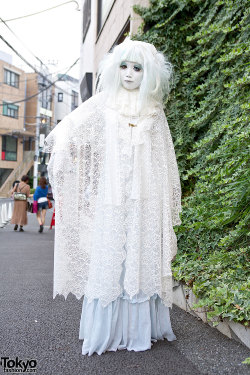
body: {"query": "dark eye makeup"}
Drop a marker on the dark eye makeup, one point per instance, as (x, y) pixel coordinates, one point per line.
(136, 67)
(123, 66)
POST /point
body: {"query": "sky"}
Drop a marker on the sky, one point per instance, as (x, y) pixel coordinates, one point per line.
(54, 36)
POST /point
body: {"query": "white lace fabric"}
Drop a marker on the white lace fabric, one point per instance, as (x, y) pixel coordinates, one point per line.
(117, 197)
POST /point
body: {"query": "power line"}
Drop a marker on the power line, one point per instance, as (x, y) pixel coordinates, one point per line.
(28, 49)
(4, 93)
(42, 11)
(67, 93)
(45, 88)
(65, 104)
(22, 42)
(19, 55)
(28, 123)
(31, 66)
(36, 71)
(32, 79)
(63, 90)
(24, 59)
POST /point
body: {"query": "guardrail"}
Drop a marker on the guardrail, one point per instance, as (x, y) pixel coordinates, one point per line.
(6, 210)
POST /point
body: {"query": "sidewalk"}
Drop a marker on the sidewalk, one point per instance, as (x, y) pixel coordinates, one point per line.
(34, 326)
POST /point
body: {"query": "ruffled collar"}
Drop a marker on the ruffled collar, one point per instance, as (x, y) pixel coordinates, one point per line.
(127, 103)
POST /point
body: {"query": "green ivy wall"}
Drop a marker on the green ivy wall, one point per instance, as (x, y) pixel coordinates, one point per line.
(208, 44)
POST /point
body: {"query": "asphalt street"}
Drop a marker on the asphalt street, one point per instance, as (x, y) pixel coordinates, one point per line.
(35, 327)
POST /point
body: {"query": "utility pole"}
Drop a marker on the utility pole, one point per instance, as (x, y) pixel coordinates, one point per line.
(35, 178)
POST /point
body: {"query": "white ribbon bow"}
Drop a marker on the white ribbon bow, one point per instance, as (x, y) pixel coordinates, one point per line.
(137, 137)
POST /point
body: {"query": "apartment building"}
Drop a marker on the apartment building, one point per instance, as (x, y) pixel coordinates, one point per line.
(26, 117)
(66, 96)
(13, 134)
(105, 23)
(40, 115)
(39, 109)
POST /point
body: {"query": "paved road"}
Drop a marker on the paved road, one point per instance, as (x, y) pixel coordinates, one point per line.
(34, 326)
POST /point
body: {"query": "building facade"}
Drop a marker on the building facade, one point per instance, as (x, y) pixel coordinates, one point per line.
(26, 117)
(13, 134)
(66, 96)
(39, 108)
(105, 23)
(40, 116)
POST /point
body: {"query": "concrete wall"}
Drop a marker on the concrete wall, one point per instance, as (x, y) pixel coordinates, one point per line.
(88, 47)
(136, 20)
(115, 22)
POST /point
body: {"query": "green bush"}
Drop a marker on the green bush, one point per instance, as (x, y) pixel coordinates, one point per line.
(208, 43)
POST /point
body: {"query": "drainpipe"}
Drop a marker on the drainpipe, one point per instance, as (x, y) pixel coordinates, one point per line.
(25, 94)
(24, 112)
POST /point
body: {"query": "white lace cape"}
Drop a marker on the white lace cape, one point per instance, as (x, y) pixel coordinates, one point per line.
(95, 219)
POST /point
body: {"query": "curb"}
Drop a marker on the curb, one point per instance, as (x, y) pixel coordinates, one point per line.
(184, 298)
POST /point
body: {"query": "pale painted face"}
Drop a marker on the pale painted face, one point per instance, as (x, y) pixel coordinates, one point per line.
(131, 74)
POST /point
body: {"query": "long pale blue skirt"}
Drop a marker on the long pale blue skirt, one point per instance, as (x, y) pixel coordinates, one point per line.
(131, 324)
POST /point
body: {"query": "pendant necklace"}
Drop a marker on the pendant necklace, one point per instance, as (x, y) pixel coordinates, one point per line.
(132, 124)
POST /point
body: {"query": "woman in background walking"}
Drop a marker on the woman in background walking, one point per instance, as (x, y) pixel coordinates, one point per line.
(19, 216)
(40, 196)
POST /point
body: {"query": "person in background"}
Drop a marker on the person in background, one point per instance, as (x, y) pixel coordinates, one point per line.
(15, 182)
(40, 196)
(19, 216)
(13, 190)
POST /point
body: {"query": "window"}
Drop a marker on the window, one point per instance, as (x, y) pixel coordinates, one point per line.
(104, 7)
(86, 18)
(9, 148)
(10, 110)
(46, 99)
(11, 78)
(60, 97)
(74, 100)
(121, 37)
(86, 86)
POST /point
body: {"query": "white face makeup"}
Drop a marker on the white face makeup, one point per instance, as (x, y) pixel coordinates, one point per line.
(131, 74)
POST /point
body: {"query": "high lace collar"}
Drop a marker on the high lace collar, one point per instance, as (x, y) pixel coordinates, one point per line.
(127, 103)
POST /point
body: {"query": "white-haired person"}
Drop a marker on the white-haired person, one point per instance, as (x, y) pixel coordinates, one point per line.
(117, 191)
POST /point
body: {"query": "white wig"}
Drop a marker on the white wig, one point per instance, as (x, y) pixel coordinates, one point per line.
(156, 70)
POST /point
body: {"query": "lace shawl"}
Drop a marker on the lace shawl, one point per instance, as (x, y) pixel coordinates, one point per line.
(96, 218)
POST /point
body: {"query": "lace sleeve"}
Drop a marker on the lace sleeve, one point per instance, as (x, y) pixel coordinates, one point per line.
(163, 145)
(73, 172)
(174, 176)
